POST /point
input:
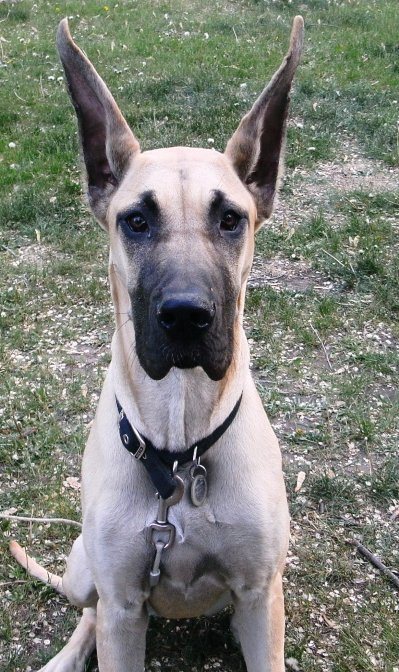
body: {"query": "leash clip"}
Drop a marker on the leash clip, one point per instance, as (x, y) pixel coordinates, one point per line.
(155, 573)
(164, 533)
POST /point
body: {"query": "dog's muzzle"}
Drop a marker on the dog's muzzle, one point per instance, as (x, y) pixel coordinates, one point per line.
(184, 319)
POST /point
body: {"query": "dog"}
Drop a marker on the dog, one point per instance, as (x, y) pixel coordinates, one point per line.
(183, 498)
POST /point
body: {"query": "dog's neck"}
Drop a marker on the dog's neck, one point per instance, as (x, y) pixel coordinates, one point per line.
(174, 411)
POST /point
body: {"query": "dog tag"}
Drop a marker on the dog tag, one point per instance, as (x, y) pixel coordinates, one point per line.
(199, 485)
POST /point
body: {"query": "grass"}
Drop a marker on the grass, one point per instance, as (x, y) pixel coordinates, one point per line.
(322, 313)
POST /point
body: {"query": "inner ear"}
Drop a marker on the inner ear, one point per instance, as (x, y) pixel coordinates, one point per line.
(92, 131)
(107, 142)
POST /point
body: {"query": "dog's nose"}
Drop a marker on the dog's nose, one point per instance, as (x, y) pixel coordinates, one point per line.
(185, 316)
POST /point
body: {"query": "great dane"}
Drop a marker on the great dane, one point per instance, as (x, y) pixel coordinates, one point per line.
(183, 498)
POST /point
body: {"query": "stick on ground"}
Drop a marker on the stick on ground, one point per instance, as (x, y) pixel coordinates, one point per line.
(29, 519)
(374, 561)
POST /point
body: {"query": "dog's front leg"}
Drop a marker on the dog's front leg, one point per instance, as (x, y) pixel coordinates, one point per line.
(258, 623)
(73, 657)
(121, 633)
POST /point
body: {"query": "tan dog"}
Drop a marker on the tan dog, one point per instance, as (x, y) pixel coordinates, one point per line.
(181, 224)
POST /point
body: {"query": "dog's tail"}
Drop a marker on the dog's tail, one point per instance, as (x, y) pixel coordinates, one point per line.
(34, 569)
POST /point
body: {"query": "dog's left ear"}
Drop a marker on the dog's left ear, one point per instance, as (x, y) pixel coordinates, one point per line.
(106, 140)
(256, 147)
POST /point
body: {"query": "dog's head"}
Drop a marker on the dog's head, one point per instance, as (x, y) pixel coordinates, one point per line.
(181, 221)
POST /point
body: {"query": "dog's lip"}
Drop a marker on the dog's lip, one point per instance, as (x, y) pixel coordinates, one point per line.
(180, 357)
(172, 356)
(213, 374)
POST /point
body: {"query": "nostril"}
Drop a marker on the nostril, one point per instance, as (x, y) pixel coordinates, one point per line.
(201, 318)
(167, 318)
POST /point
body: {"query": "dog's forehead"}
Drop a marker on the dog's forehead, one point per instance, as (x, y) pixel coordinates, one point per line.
(182, 175)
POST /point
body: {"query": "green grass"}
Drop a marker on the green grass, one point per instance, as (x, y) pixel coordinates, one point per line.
(360, 251)
(323, 318)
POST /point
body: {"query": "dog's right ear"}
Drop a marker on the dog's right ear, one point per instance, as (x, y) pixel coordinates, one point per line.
(106, 140)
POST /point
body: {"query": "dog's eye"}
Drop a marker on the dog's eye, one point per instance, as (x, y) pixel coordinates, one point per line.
(136, 222)
(229, 221)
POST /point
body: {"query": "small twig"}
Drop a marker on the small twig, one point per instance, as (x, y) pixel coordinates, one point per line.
(29, 519)
(362, 550)
(316, 333)
(41, 87)
(332, 257)
(235, 35)
(374, 561)
(19, 97)
(355, 204)
(338, 261)
(8, 249)
(351, 267)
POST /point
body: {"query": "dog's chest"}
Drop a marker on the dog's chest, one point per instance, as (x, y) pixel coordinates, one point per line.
(198, 571)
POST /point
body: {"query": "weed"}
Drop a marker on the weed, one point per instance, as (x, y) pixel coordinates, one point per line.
(384, 482)
(336, 490)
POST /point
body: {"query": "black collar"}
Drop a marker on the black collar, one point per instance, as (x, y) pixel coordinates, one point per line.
(159, 462)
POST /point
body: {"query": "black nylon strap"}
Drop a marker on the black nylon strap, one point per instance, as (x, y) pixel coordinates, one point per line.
(158, 462)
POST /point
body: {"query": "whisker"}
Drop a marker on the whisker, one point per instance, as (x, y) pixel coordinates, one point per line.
(131, 356)
(122, 325)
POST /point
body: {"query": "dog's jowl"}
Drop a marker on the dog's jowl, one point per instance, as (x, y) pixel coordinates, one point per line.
(184, 506)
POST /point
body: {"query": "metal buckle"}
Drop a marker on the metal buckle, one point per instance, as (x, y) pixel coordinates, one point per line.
(140, 452)
(164, 527)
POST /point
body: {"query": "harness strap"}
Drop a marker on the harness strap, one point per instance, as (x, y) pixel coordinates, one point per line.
(159, 462)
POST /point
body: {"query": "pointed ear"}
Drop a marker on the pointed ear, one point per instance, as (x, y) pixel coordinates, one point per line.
(256, 147)
(106, 140)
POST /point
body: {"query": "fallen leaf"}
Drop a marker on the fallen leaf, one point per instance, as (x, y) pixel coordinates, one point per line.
(72, 482)
(299, 480)
(331, 624)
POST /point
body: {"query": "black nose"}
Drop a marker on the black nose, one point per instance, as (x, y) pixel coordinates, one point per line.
(185, 316)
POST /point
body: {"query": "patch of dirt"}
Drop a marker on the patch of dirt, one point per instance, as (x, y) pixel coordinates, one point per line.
(283, 274)
(35, 255)
(354, 172)
(311, 190)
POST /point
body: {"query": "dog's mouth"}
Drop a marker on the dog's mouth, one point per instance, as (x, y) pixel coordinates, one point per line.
(181, 358)
(159, 362)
